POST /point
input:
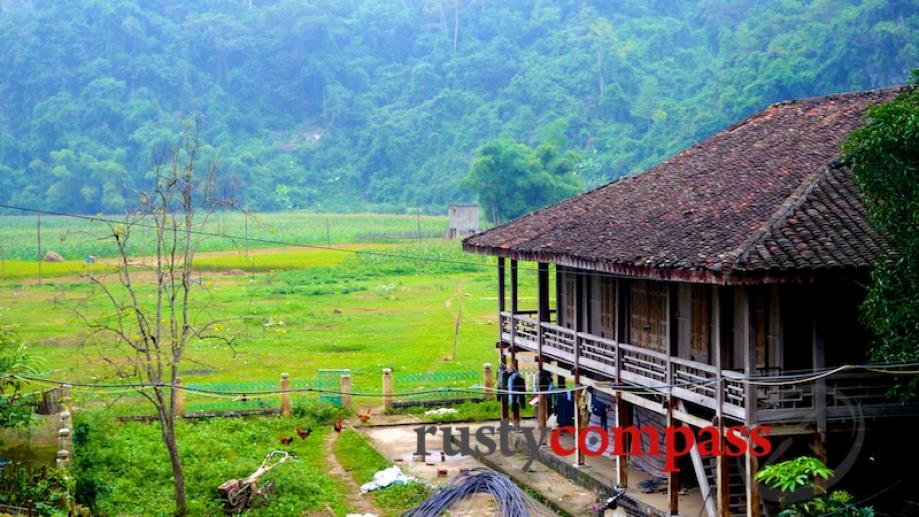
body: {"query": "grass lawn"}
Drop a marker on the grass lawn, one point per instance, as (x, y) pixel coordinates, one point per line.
(127, 465)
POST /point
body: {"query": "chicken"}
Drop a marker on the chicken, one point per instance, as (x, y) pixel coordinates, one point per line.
(365, 414)
(304, 434)
(286, 440)
(338, 425)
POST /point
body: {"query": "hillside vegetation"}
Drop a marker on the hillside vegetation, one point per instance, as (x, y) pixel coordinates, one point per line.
(381, 104)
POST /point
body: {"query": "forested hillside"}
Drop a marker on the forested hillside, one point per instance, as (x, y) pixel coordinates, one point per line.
(347, 104)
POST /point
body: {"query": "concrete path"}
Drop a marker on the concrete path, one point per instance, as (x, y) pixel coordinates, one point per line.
(398, 443)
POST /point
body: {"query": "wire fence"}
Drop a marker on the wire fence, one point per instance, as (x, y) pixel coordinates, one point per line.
(429, 383)
(338, 387)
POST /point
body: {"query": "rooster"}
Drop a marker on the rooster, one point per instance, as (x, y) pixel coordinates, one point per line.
(338, 425)
(365, 414)
(304, 434)
(285, 440)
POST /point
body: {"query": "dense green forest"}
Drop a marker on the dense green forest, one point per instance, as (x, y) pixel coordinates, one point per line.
(382, 104)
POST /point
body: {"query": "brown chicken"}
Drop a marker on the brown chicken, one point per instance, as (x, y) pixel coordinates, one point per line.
(338, 425)
(286, 440)
(364, 415)
(304, 434)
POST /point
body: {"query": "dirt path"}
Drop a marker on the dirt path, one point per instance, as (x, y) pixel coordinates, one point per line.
(357, 502)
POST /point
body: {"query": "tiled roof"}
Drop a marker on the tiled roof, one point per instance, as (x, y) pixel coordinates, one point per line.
(763, 198)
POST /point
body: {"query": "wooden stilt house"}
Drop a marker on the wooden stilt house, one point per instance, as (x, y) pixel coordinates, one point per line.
(743, 256)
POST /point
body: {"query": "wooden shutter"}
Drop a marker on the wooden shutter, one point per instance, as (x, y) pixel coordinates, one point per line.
(649, 317)
(569, 300)
(607, 306)
(639, 313)
(657, 316)
(701, 327)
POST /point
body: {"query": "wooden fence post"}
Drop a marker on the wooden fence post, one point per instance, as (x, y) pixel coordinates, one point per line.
(488, 379)
(285, 394)
(387, 389)
(346, 391)
(180, 399)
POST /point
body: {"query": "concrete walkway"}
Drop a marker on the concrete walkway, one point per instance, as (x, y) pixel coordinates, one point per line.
(399, 443)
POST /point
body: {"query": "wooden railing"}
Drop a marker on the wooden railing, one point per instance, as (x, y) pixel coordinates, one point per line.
(846, 394)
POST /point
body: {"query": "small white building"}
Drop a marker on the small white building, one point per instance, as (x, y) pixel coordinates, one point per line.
(463, 220)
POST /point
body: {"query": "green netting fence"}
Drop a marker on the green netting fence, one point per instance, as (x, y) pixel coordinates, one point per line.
(429, 386)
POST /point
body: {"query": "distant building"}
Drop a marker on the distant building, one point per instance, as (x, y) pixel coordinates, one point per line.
(464, 220)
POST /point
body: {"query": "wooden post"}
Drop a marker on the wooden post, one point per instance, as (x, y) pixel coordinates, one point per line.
(514, 300)
(387, 389)
(673, 479)
(579, 455)
(346, 391)
(488, 380)
(819, 361)
(285, 394)
(722, 467)
(542, 286)
(623, 419)
(179, 398)
(742, 326)
(328, 233)
(501, 290)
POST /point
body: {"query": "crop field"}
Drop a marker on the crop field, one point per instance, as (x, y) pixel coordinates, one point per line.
(77, 239)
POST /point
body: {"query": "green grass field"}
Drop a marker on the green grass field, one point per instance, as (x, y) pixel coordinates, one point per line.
(295, 311)
(361, 306)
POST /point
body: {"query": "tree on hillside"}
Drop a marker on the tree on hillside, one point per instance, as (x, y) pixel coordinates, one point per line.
(153, 321)
(884, 155)
(511, 179)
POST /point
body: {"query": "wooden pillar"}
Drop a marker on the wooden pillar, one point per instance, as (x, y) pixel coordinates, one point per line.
(719, 353)
(285, 394)
(673, 480)
(502, 302)
(578, 425)
(346, 391)
(179, 398)
(819, 361)
(623, 419)
(748, 345)
(488, 381)
(542, 287)
(387, 389)
(514, 298)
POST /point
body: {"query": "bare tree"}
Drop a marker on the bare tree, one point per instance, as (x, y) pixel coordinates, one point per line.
(153, 319)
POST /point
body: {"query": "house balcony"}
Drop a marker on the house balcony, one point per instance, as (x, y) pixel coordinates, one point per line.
(845, 396)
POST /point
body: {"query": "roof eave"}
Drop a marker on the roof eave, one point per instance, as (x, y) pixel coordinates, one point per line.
(674, 274)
